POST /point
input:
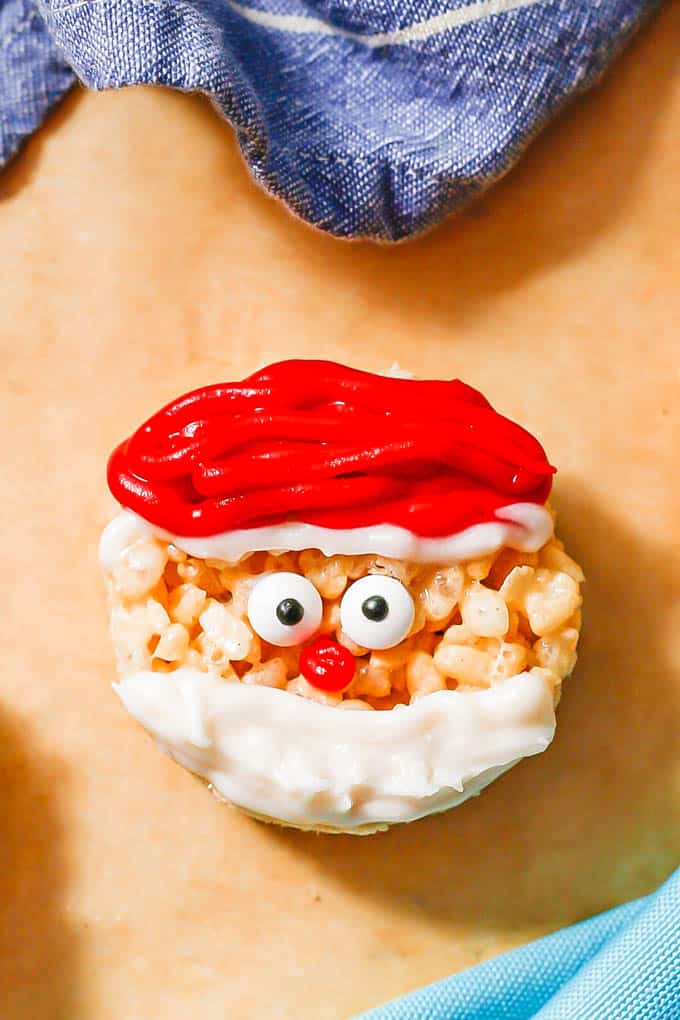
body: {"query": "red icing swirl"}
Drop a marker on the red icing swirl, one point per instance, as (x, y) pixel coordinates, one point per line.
(317, 442)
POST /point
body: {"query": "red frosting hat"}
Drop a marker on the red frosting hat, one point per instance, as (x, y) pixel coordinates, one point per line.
(319, 443)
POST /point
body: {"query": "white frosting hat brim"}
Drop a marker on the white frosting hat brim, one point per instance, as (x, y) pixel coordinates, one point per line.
(522, 526)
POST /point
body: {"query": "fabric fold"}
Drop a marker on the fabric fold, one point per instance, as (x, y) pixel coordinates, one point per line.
(620, 965)
(368, 118)
(34, 73)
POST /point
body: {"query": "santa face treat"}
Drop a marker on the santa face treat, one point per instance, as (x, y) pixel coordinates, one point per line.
(337, 596)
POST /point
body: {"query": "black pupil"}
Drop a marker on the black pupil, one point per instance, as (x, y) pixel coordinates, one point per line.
(375, 608)
(289, 612)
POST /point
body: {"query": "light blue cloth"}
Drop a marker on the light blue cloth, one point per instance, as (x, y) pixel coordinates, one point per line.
(621, 965)
(369, 118)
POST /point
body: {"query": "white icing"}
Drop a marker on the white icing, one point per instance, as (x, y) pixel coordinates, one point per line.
(284, 757)
(524, 526)
(121, 531)
(395, 371)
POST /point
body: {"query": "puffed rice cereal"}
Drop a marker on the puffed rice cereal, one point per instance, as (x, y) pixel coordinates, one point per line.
(481, 622)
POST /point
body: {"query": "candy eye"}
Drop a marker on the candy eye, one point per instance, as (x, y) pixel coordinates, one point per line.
(285, 609)
(377, 612)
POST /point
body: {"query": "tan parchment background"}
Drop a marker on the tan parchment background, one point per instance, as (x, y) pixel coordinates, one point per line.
(137, 260)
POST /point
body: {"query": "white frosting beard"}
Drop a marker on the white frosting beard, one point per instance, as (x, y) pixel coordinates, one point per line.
(293, 760)
(290, 759)
(525, 527)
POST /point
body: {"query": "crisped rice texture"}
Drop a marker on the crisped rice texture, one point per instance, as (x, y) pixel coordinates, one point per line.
(476, 623)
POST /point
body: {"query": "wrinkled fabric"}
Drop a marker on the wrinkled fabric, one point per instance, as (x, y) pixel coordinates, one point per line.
(367, 117)
(620, 965)
(34, 74)
(370, 118)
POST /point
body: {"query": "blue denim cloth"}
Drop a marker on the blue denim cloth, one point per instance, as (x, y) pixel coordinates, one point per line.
(369, 118)
(622, 965)
(33, 73)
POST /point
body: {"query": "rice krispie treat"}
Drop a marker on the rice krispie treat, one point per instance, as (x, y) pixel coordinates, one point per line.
(337, 596)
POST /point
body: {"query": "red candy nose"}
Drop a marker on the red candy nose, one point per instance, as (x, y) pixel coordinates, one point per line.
(327, 665)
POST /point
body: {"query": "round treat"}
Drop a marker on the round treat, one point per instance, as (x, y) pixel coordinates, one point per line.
(337, 597)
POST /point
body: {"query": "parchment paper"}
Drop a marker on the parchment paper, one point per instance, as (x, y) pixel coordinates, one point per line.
(137, 260)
